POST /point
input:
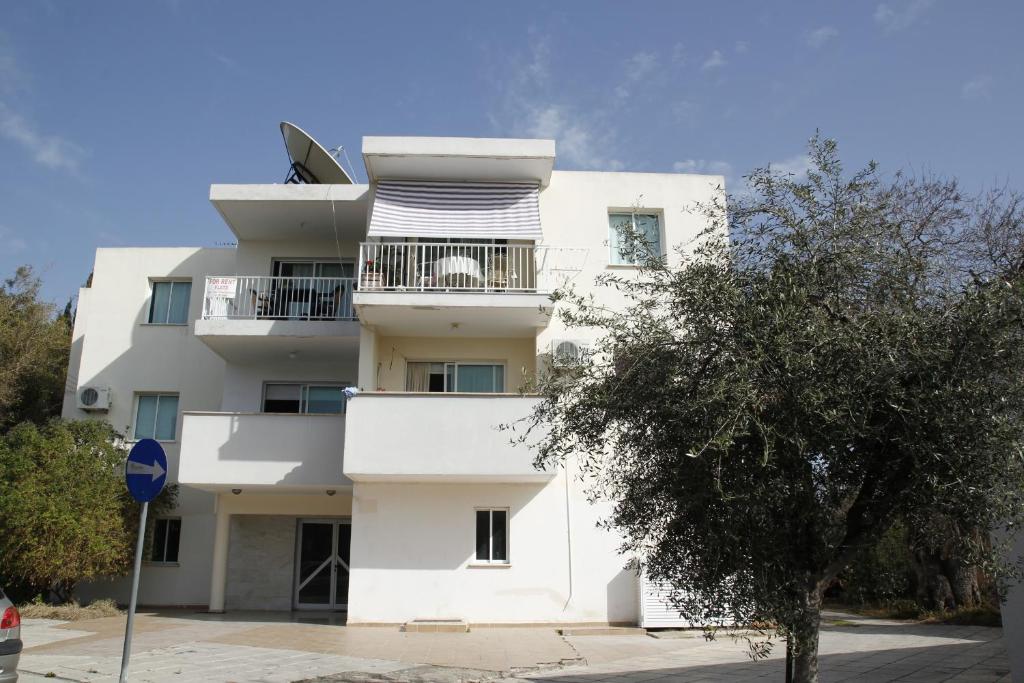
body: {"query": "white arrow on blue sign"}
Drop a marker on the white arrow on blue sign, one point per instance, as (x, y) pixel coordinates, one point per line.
(145, 471)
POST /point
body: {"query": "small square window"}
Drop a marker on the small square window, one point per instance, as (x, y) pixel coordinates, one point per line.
(492, 536)
(156, 417)
(169, 305)
(166, 538)
(623, 252)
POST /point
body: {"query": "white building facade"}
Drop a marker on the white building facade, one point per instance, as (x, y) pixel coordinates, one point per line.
(427, 289)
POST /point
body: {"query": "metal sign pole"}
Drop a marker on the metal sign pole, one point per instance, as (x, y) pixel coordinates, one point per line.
(135, 594)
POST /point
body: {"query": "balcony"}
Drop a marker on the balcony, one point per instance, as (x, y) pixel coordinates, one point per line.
(409, 437)
(257, 318)
(221, 451)
(433, 289)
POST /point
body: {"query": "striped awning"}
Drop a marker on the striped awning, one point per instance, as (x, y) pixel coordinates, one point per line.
(467, 210)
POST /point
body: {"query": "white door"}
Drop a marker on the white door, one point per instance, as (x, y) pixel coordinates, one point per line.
(322, 564)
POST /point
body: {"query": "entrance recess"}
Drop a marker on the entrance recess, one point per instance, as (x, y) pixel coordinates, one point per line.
(321, 574)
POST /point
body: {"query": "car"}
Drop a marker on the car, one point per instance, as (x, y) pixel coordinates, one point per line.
(10, 639)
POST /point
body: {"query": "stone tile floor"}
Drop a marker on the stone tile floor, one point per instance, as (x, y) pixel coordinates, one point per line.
(184, 646)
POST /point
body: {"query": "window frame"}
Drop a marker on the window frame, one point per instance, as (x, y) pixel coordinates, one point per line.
(491, 562)
(455, 373)
(153, 282)
(303, 395)
(613, 239)
(156, 416)
(168, 519)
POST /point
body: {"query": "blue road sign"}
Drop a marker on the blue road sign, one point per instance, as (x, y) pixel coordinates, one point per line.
(146, 470)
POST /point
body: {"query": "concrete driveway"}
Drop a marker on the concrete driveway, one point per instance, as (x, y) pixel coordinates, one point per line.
(185, 646)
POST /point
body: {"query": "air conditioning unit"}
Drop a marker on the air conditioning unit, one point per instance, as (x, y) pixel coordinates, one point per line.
(94, 398)
(568, 352)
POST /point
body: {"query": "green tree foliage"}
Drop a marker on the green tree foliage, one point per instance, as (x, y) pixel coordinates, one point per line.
(34, 346)
(65, 514)
(762, 412)
(62, 504)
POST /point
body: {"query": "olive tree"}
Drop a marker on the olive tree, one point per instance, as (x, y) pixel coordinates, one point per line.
(834, 352)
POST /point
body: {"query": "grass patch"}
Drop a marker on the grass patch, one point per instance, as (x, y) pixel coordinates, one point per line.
(71, 611)
(909, 610)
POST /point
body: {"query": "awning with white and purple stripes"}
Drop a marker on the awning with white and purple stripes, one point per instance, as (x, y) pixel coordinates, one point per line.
(420, 208)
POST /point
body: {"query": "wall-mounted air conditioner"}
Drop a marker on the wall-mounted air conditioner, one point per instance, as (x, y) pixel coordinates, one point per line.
(94, 398)
(568, 352)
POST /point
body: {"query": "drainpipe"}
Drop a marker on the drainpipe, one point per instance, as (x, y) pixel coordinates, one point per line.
(568, 538)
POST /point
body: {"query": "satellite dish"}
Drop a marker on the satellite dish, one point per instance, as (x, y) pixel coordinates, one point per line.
(311, 163)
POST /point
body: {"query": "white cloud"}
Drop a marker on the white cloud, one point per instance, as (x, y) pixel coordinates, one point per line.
(714, 61)
(978, 88)
(578, 141)
(906, 15)
(741, 47)
(818, 37)
(797, 165)
(50, 151)
(703, 166)
(529, 105)
(640, 65)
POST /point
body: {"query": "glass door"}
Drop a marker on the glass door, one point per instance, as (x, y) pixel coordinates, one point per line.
(322, 564)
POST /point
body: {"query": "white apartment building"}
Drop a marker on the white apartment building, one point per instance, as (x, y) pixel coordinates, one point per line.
(427, 289)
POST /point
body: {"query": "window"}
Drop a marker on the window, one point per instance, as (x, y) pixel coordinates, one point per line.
(169, 305)
(492, 536)
(166, 536)
(156, 417)
(476, 378)
(304, 398)
(647, 226)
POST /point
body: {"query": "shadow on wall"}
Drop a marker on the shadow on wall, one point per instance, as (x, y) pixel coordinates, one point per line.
(414, 526)
(624, 597)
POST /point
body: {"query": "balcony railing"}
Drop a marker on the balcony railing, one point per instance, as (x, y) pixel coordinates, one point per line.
(261, 297)
(458, 267)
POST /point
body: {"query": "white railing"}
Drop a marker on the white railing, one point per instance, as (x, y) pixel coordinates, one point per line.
(460, 267)
(261, 297)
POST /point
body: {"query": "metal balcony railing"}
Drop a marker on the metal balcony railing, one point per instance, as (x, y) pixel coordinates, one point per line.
(459, 267)
(262, 297)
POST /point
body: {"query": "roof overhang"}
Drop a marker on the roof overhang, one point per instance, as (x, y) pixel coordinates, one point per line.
(459, 159)
(288, 212)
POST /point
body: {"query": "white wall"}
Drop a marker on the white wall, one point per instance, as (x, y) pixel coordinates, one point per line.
(574, 212)
(243, 384)
(413, 557)
(116, 348)
(1013, 618)
(290, 452)
(424, 437)
(257, 257)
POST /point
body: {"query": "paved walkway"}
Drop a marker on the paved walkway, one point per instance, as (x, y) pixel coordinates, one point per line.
(182, 646)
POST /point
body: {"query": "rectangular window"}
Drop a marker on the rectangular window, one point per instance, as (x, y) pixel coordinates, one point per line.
(156, 417)
(647, 226)
(166, 537)
(475, 378)
(492, 536)
(169, 305)
(319, 399)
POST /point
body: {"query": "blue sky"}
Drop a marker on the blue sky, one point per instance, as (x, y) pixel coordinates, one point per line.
(115, 117)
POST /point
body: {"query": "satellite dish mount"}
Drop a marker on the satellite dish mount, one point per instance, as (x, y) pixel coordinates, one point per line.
(311, 164)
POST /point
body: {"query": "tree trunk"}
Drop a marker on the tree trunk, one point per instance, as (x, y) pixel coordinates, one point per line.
(804, 640)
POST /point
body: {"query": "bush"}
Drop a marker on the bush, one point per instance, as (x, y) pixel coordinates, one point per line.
(882, 574)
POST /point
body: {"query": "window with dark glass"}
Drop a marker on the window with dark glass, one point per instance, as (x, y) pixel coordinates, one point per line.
(492, 536)
(166, 537)
(169, 305)
(304, 398)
